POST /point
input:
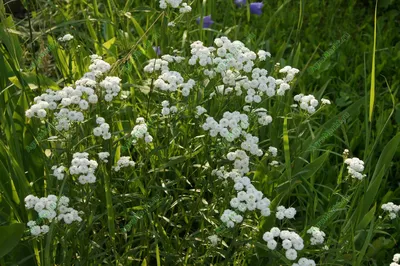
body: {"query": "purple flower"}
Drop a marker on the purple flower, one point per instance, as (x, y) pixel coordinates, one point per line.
(240, 3)
(157, 49)
(255, 8)
(207, 21)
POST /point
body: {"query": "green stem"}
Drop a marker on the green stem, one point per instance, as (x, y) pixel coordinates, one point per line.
(110, 210)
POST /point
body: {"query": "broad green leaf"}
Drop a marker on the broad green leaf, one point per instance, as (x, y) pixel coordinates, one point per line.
(10, 236)
(381, 167)
(109, 43)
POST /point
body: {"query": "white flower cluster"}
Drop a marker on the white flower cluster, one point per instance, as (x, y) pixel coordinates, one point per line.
(307, 102)
(172, 80)
(250, 199)
(222, 174)
(282, 212)
(263, 118)
(67, 214)
(82, 166)
(97, 68)
(68, 97)
(124, 161)
(65, 116)
(156, 65)
(166, 109)
(392, 208)
(73, 102)
(230, 217)
(112, 87)
(38, 109)
(305, 262)
(47, 209)
(162, 64)
(229, 60)
(102, 129)
(67, 37)
(58, 171)
(169, 81)
(290, 73)
(37, 229)
(229, 127)
(291, 241)
(184, 8)
(396, 260)
(355, 167)
(273, 151)
(317, 236)
(262, 55)
(251, 144)
(103, 156)
(241, 161)
(140, 131)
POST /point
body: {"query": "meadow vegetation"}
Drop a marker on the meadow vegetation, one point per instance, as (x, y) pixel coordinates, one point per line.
(213, 132)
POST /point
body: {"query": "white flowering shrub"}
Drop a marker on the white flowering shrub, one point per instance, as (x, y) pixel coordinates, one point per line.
(221, 100)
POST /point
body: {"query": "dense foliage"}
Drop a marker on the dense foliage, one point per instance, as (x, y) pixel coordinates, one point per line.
(224, 132)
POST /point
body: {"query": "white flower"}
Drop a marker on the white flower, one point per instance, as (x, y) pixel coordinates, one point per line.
(44, 229)
(41, 113)
(103, 156)
(392, 208)
(263, 54)
(275, 231)
(396, 257)
(273, 151)
(31, 224)
(325, 101)
(307, 102)
(291, 254)
(268, 236)
(286, 244)
(214, 239)
(185, 8)
(124, 161)
(84, 105)
(317, 235)
(200, 110)
(290, 213)
(66, 38)
(35, 230)
(272, 244)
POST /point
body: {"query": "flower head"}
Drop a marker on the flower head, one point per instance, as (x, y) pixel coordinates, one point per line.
(207, 21)
(255, 8)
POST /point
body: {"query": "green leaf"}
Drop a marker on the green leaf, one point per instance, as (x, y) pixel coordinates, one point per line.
(372, 91)
(109, 43)
(367, 219)
(10, 236)
(381, 167)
